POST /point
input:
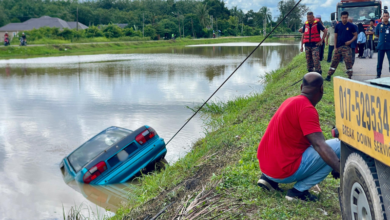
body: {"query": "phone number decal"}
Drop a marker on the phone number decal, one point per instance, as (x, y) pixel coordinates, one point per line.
(362, 116)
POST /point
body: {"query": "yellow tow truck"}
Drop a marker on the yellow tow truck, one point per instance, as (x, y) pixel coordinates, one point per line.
(363, 127)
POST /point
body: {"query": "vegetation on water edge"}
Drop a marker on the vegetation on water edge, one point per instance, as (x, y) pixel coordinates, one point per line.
(107, 47)
(155, 19)
(218, 177)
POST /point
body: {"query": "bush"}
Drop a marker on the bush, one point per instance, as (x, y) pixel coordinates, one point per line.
(232, 32)
(248, 31)
(67, 34)
(113, 31)
(93, 31)
(133, 38)
(150, 31)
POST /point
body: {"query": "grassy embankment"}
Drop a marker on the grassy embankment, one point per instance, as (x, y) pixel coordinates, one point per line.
(218, 177)
(65, 48)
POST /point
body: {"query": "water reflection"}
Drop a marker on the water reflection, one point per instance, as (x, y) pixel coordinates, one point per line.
(51, 105)
(109, 197)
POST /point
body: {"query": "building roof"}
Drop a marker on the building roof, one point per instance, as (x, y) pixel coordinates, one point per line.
(44, 21)
(122, 25)
(72, 25)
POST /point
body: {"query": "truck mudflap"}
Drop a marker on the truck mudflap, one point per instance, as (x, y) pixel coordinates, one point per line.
(384, 182)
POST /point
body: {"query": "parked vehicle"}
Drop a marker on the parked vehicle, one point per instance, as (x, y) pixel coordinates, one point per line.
(362, 11)
(115, 155)
(6, 42)
(23, 42)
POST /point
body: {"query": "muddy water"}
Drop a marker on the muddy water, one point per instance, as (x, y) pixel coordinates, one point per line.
(51, 105)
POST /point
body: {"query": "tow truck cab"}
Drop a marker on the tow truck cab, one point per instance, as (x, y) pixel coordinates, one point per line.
(362, 125)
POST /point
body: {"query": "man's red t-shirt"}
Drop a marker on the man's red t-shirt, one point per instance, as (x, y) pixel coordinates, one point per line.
(281, 148)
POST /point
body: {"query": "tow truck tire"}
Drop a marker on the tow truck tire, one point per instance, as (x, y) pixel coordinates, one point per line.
(360, 195)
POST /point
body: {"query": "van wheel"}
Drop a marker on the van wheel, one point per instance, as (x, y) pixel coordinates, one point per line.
(160, 164)
(360, 195)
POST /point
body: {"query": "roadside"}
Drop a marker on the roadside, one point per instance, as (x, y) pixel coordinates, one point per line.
(365, 69)
(110, 47)
(217, 179)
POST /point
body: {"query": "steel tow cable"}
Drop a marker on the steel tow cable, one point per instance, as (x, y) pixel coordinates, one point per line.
(257, 47)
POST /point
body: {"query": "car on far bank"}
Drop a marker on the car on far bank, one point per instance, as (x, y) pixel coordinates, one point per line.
(115, 155)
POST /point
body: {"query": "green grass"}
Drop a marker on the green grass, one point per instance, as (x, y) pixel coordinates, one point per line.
(99, 45)
(234, 130)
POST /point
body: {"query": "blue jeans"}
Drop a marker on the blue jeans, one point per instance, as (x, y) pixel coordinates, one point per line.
(312, 170)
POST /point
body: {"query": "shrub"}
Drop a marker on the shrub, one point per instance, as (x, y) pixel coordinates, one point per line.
(113, 31)
(93, 31)
(150, 31)
(67, 34)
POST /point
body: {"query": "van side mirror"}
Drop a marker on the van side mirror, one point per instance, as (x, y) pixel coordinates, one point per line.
(385, 7)
(333, 16)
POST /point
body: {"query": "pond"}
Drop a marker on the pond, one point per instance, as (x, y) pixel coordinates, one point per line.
(51, 105)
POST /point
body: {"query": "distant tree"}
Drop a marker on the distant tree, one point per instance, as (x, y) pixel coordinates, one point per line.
(203, 14)
(165, 16)
(294, 20)
(150, 31)
(3, 17)
(67, 34)
(266, 14)
(113, 31)
(166, 26)
(93, 31)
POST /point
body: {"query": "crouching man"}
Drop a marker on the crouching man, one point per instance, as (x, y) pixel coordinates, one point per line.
(293, 148)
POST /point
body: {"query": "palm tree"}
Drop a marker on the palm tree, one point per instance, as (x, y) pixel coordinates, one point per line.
(265, 12)
(234, 11)
(267, 17)
(238, 13)
(202, 12)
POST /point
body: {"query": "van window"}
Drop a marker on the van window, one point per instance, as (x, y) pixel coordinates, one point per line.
(92, 148)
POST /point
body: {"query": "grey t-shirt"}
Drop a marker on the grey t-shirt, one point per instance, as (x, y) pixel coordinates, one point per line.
(331, 36)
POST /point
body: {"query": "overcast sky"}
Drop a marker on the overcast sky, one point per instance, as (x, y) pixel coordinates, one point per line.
(322, 7)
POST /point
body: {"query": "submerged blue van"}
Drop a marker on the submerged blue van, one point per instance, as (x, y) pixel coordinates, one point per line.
(115, 155)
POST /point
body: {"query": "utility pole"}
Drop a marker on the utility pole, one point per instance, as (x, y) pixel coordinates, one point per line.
(143, 24)
(178, 20)
(216, 21)
(192, 24)
(183, 27)
(212, 23)
(77, 25)
(265, 26)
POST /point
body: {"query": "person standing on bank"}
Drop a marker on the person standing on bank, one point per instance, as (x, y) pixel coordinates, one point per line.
(330, 40)
(293, 148)
(345, 34)
(323, 36)
(383, 32)
(370, 32)
(361, 40)
(312, 40)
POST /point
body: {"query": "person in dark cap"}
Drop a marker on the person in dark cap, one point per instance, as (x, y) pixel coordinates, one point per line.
(293, 148)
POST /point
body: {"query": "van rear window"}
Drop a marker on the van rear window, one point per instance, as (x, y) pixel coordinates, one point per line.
(90, 149)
